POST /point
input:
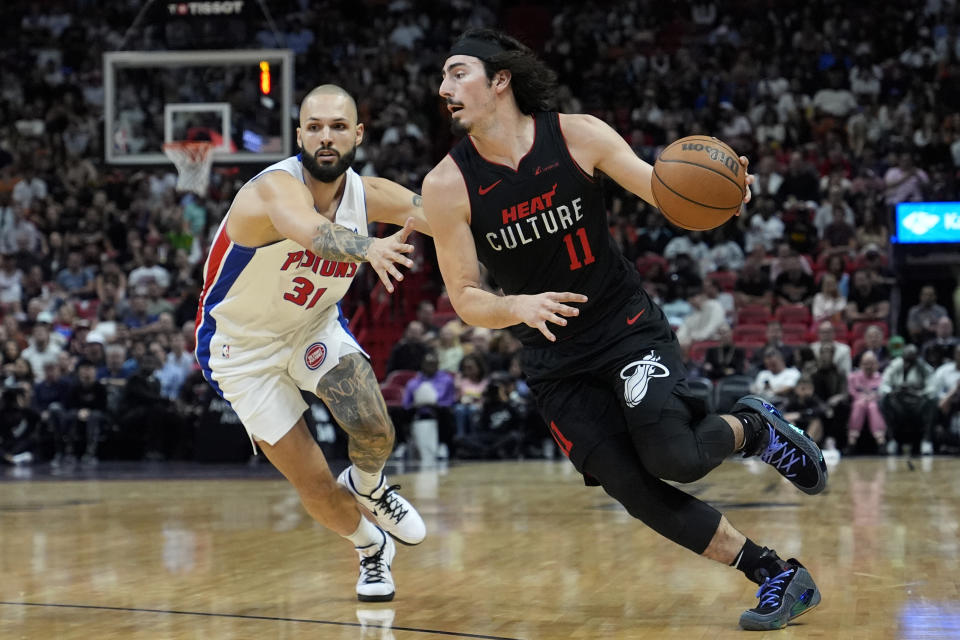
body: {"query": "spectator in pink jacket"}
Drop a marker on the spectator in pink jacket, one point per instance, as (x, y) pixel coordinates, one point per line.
(863, 384)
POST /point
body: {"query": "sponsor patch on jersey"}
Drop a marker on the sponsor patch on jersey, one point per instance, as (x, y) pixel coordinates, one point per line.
(315, 355)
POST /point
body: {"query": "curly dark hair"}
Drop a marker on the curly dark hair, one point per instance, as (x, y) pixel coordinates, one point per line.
(534, 83)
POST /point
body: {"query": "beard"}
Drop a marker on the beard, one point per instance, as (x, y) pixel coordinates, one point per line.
(457, 128)
(327, 172)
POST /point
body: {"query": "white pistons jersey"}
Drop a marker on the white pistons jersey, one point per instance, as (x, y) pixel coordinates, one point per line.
(266, 294)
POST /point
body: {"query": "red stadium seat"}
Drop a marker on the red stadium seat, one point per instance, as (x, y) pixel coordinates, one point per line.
(749, 333)
(399, 377)
(392, 395)
(698, 350)
(753, 314)
(795, 333)
(644, 263)
(725, 280)
(793, 314)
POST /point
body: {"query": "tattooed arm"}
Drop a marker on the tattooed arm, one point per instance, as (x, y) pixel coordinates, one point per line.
(279, 205)
(339, 243)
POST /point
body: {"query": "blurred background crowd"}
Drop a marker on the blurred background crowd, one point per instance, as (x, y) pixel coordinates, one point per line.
(844, 110)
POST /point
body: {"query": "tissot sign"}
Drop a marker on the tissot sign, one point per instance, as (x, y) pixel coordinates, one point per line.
(928, 222)
(225, 8)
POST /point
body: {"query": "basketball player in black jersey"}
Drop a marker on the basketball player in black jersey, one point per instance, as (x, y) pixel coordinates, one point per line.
(521, 194)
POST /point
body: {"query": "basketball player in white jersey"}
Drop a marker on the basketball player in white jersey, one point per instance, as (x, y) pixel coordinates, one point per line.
(269, 324)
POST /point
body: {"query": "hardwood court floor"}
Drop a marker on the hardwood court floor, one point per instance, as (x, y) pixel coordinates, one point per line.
(514, 551)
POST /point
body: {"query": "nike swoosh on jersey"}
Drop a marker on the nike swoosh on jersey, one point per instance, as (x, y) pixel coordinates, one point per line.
(483, 191)
(636, 317)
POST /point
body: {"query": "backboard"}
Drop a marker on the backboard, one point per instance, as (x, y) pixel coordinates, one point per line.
(241, 100)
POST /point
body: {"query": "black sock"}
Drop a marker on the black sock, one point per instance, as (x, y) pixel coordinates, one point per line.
(753, 428)
(758, 563)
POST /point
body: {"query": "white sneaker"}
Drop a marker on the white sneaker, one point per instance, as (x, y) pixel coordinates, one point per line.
(926, 448)
(892, 448)
(391, 511)
(443, 452)
(375, 583)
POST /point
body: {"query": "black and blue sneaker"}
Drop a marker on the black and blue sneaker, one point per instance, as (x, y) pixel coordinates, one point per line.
(783, 597)
(783, 446)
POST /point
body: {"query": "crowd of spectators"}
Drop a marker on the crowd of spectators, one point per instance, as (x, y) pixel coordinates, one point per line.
(843, 109)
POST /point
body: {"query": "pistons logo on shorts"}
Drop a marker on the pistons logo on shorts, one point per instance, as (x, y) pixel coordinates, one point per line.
(315, 355)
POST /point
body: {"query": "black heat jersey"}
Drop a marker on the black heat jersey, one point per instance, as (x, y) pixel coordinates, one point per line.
(544, 228)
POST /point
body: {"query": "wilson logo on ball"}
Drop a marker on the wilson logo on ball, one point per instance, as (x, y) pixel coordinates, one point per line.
(315, 355)
(716, 154)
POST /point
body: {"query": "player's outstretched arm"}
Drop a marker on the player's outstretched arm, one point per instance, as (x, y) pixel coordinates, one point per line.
(447, 208)
(289, 206)
(595, 145)
(390, 202)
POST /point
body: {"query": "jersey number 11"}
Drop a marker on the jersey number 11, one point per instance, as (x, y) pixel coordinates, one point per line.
(572, 251)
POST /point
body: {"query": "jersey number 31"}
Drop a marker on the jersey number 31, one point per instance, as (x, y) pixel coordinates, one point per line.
(302, 291)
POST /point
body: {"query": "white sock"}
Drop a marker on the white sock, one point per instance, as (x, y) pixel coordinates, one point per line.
(366, 535)
(365, 482)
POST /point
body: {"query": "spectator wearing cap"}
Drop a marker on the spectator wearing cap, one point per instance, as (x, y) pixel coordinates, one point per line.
(94, 349)
(86, 413)
(922, 317)
(41, 348)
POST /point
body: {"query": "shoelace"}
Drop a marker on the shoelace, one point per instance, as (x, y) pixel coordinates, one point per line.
(769, 591)
(373, 567)
(788, 457)
(388, 504)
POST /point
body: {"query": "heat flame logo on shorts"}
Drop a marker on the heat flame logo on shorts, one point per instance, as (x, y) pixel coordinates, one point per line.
(637, 376)
(315, 355)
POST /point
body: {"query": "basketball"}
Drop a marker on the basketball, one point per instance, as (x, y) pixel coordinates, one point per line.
(698, 183)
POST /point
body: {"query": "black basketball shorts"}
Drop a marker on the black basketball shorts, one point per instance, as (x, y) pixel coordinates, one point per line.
(615, 378)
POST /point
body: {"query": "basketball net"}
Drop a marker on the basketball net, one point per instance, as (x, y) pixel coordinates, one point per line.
(193, 161)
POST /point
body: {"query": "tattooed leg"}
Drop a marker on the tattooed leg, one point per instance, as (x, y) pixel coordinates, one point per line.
(352, 394)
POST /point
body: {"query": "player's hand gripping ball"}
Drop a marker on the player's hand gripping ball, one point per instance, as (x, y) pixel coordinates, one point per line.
(699, 183)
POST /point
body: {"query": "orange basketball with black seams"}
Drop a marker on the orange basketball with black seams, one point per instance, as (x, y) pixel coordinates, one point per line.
(698, 182)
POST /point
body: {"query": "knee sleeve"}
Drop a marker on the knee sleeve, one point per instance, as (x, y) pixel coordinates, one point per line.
(675, 448)
(667, 510)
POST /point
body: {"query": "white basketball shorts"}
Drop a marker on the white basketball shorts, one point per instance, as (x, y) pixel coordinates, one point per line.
(262, 380)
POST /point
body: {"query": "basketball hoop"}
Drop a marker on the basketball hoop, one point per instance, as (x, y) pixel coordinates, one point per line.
(193, 161)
